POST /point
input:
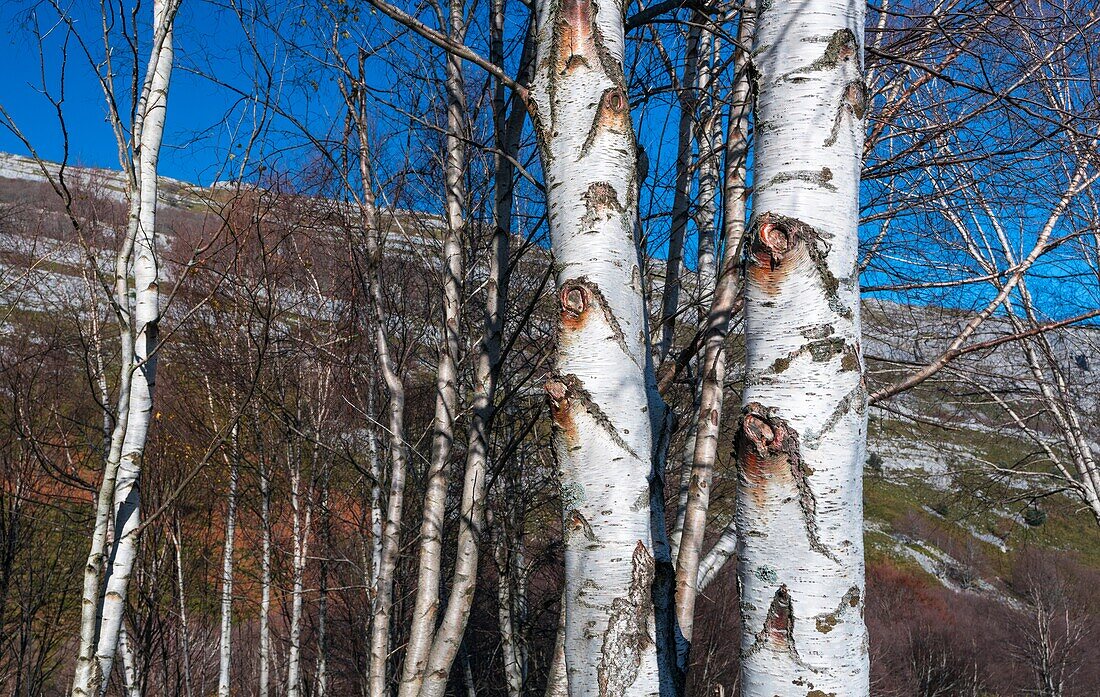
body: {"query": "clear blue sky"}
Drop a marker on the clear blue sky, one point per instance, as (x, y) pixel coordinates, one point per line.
(198, 134)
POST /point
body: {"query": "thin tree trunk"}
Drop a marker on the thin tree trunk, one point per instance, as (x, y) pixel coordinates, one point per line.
(448, 638)
(265, 579)
(301, 517)
(226, 638)
(146, 316)
(391, 531)
(802, 431)
(557, 682)
(506, 616)
(185, 632)
(131, 681)
(681, 200)
(322, 591)
(426, 605)
(708, 418)
(599, 394)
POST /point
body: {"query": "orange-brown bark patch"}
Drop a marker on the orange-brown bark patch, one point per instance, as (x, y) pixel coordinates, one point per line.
(576, 45)
(614, 111)
(561, 409)
(575, 300)
(775, 248)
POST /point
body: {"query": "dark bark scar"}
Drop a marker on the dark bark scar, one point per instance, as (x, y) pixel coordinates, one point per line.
(853, 100)
(774, 239)
(601, 203)
(826, 622)
(820, 351)
(842, 47)
(777, 634)
(769, 454)
(576, 298)
(575, 523)
(567, 391)
(856, 398)
(612, 116)
(628, 632)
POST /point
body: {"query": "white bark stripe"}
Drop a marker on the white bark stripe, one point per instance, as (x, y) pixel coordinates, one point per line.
(149, 132)
(803, 429)
(598, 393)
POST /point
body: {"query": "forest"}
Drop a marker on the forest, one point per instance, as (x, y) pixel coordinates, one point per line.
(555, 348)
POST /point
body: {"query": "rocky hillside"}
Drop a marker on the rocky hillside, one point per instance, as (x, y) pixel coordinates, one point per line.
(948, 525)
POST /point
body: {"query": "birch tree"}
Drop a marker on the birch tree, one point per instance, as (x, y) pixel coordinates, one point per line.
(802, 430)
(109, 564)
(708, 417)
(426, 605)
(598, 393)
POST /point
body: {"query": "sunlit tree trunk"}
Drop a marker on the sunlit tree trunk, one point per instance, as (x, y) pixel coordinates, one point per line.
(131, 679)
(301, 505)
(802, 431)
(447, 641)
(225, 647)
(382, 593)
(265, 578)
(557, 682)
(426, 605)
(101, 626)
(184, 629)
(708, 418)
(598, 391)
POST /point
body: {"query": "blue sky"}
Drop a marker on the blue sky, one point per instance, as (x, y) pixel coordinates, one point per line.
(207, 122)
(90, 137)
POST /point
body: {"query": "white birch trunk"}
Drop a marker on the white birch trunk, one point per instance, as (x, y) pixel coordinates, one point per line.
(506, 615)
(301, 515)
(802, 432)
(382, 592)
(131, 679)
(426, 605)
(225, 641)
(322, 592)
(598, 393)
(265, 580)
(708, 418)
(185, 632)
(149, 132)
(375, 492)
(448, 639)
(557, 683)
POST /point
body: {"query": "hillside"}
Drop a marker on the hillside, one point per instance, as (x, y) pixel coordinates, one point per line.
(948, 529)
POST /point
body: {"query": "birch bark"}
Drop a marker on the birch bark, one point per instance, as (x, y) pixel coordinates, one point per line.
(426, 605)
(382, 593)
(301, 518)
(802, 430)
(598, 392)
(708, 418)
(111, 592)
(265, 577)
(184, 630)
(225, 647)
